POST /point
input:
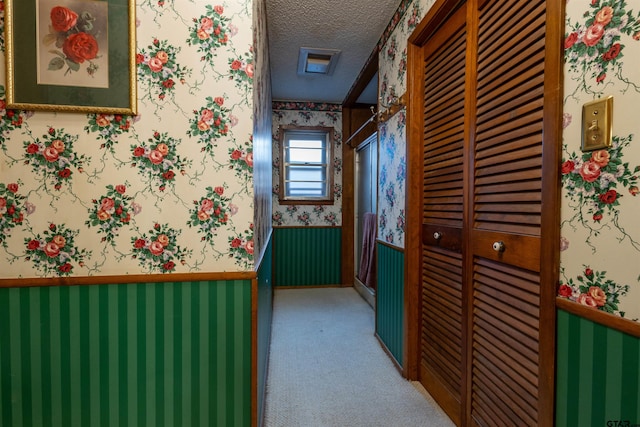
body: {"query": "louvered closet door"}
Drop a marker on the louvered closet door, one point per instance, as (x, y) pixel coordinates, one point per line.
(506, 213)
(444, 129)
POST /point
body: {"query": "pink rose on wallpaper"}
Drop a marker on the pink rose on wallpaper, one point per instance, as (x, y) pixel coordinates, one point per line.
(163, 148)
(249, 159)
(59, 240)
(107, 204)
(163, 239)
(103, 215)
(587, 300)
(206, 115)
(63, 19)
(249, 247)
(206, 23)
(58, 145)
(202, 34)
(203, 216)
(593, 35)
(139, 243)
(155, 157)
(249, 70)
(590, 171)
(121, 188)
(13, 187)
(51, 250)
(605, 15)
(155, 64)
(206, 205)
(219, 9)
(601, 158)
(156, 248)
(598, 296)
(162, 56)
(50, 154)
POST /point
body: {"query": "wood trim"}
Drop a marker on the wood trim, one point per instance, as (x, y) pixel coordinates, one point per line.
(389, 245)
(413, 209)
(330, 199)
(126, 279)
(434, 18)
(551, 202)
(348, 202)
(612, 321)
(366, 74)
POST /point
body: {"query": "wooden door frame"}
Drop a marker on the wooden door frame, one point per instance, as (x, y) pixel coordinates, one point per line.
(551, 197)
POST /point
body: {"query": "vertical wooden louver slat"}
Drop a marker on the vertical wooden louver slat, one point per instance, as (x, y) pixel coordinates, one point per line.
(507, 207)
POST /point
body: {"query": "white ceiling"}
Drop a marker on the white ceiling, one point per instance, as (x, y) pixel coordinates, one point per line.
(352, 26)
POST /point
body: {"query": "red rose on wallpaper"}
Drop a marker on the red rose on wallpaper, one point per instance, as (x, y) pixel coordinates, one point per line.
(565, 291)
(63, 19)
(568, 167)
(609, 197)
(612, 53)
(80, 47)
(570, 40)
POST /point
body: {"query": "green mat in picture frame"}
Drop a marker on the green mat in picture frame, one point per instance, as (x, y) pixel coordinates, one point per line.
(71, 55)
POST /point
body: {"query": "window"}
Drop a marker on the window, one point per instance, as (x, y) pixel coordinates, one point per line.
(306, 175)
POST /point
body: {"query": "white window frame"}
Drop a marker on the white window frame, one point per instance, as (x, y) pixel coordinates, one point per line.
(323, 133)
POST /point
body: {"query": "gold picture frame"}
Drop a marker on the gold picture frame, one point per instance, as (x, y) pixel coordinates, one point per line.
(71, 56)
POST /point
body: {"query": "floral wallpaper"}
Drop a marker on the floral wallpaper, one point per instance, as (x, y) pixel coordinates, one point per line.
(600, 242)
(308, 114)
(169, 190)
(392, 163)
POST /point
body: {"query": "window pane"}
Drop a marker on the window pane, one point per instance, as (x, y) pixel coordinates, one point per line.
(305, 173)
(305, 189)
(302, 155)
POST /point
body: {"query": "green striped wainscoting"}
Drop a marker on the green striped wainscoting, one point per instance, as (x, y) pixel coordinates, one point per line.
(265, 315)
(162, 354)
(307, 256)
(598, 374)
(390, 299)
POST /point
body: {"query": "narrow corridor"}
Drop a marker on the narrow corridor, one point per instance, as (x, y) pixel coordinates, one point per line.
(326, 367)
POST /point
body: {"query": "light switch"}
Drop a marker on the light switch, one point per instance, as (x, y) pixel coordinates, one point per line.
(597, 118)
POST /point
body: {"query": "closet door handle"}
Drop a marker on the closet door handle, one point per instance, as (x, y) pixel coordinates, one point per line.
(437, 235)
(498, 246)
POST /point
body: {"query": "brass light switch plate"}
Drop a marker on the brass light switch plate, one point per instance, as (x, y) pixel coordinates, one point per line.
(597, 118)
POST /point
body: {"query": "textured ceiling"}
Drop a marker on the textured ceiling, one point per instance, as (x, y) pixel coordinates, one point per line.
(352, 26)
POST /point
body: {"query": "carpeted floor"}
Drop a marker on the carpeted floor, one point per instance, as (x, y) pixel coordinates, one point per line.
(326, 367)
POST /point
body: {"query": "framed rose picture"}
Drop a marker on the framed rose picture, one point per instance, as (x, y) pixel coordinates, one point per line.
(71, 55)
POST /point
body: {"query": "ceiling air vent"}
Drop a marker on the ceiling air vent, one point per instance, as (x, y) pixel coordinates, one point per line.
(317, 61)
